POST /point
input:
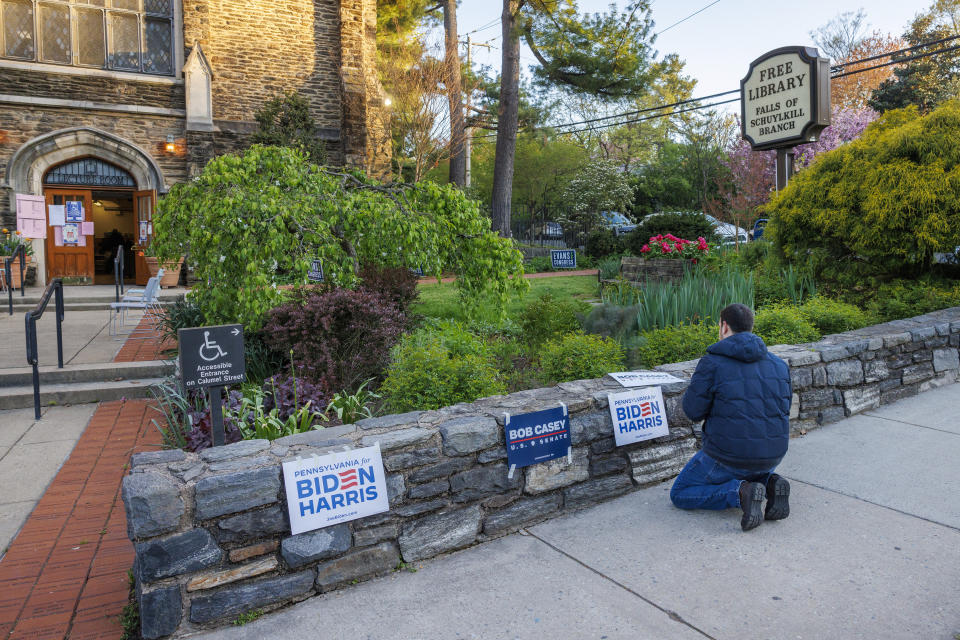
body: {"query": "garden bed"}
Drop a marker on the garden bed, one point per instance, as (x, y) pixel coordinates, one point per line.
(212, 535)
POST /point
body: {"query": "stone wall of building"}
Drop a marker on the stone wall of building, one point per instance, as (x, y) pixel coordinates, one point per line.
(260, 48)
(20, 124)
(211, 530)
(93, 88)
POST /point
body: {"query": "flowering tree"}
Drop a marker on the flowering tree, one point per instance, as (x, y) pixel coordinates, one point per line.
(749, 178)
(599, 186)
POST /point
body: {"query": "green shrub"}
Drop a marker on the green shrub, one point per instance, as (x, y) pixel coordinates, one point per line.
(548, 316)
(879, 206)
(577, 356)
(905, 299)
(831, 316)
(675, 344)
(782, 324)
(537, 264)
(609, 267)
(688, 225)
(604, 242)
(611, 320)
(433, 368)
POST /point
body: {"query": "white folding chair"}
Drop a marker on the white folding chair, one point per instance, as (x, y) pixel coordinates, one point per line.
(148, 302)
(134, 295)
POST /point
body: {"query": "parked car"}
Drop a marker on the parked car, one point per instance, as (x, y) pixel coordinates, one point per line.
(758, 226)
(617, 222)
(728, 233)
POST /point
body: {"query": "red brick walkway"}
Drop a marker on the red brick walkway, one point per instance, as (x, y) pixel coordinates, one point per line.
(138, 350)
(65, 574)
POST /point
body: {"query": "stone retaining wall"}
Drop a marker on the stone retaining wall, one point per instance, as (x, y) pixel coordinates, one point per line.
(657, 269)
(212, 535)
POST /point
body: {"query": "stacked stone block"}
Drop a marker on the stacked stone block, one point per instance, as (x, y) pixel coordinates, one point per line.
(211, 531)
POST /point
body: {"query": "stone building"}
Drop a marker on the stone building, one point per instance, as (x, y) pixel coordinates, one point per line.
(110, 102)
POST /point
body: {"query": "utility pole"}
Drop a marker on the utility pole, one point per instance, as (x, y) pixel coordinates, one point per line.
(468, 143)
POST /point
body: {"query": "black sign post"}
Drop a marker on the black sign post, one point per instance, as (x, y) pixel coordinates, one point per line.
(212, 357)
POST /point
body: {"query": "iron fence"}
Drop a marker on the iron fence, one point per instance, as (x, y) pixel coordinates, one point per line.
(542, 227)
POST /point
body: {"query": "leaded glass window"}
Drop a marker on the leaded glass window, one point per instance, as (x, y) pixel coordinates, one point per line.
(121, 35)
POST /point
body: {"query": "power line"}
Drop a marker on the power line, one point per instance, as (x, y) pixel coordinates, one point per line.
(687, 18)
(483, 28)
(725, 93)
(837, 67)
(897, 61)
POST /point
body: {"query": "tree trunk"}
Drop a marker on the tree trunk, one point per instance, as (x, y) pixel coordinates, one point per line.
(458, 161)
(507, 120)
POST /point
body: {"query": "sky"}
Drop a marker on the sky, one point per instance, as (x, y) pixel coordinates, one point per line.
(718, 43)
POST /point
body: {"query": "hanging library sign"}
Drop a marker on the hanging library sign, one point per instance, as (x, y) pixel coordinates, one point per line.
(785, 98)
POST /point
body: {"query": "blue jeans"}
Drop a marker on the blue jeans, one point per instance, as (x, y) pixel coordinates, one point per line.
(705, 483)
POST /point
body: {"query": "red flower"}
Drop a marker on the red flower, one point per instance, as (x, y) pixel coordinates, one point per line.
(645, 249)
(665, 248)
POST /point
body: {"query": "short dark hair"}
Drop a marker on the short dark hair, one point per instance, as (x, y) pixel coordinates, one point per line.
(738, 317)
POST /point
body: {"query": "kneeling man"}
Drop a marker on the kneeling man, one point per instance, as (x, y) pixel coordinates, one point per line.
(742, 393)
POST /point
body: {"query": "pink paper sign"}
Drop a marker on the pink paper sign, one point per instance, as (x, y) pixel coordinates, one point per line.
(58, 236)
(86, 228)
(31, 217)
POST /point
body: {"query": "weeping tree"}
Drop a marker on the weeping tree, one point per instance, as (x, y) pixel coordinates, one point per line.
(253, 222)
(608, 55)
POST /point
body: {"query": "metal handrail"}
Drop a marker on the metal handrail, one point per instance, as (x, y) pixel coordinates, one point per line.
(21, 250)
(118, 272)
(30, 319)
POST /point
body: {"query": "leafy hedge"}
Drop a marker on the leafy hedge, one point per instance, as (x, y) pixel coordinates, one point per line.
(881, 205)
(437, 367)
(675, 344)
(578, 356)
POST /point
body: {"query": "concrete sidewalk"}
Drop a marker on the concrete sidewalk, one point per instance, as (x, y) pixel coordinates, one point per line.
(870, 551)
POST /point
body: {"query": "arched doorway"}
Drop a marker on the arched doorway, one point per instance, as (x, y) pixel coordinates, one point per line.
(95, 210)
(69, 165)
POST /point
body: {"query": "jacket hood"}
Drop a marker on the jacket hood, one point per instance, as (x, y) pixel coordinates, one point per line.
(745, 347)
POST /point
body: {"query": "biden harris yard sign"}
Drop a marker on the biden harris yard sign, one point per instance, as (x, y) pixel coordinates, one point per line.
(638, 415)
(335, 488)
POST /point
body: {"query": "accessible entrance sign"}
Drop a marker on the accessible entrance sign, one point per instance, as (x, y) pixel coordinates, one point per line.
(212, 356)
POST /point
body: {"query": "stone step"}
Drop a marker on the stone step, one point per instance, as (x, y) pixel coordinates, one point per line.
(21, 397)
(80, 373)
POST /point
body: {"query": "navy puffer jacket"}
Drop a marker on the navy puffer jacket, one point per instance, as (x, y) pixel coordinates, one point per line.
(743, 393)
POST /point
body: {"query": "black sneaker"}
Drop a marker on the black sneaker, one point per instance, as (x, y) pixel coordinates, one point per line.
(751, 501)
(778, 498)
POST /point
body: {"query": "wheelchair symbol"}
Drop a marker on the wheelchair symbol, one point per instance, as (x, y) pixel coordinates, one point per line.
(210, 351)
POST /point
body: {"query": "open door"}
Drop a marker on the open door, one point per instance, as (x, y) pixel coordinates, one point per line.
(144, 203)
(72, 257)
